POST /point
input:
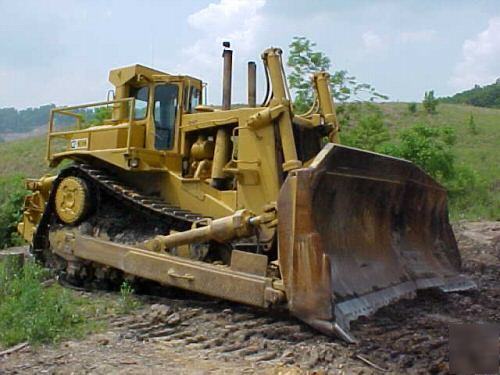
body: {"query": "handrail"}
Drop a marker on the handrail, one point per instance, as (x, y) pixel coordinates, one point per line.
(66, 111)
(67, 132)
(94, 104)
(71, 114)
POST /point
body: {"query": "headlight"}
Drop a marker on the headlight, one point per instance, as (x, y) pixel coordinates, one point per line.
(133, 163)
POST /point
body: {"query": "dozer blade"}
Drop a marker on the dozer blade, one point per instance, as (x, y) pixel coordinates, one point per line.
(358, 230)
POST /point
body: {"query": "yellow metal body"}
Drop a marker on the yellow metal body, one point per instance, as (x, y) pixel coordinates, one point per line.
(34, 205)
(251, 286)
(357, 230)
(225, 164)
(237, 145)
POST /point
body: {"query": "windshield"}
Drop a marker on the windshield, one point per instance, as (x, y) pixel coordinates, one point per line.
(165, 110)
(141, 101)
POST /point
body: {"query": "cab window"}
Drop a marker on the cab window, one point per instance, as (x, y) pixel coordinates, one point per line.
(141, 95)
(195, 98)
(165, 110)
(192, 99)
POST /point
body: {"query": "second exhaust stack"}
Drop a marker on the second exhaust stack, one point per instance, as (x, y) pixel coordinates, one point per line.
(252, 84)
(227, 76)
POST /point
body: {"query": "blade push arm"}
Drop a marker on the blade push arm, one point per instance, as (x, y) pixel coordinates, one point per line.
(321, 82)
(281, 98)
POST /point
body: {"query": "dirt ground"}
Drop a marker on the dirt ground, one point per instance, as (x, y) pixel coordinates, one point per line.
(190, 334)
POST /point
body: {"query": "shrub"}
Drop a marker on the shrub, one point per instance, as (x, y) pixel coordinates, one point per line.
(470, 196)
(30, 312)
(412, 107)
(430, 102)
(429, 148)
(472, 125)
(370, 133)
(127, 300)
(12, 195)
(98, 116)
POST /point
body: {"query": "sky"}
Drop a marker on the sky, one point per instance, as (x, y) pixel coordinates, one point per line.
(61, 51)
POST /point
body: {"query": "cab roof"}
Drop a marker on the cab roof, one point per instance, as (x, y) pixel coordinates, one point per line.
(121, 76)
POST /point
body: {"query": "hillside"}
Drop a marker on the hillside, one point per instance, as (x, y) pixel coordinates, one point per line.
(478, 151)
(486, 96)
(18, 124)
(25, 120)
(25, 157)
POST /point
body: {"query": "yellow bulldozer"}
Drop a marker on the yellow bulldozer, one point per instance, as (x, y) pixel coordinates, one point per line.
(255, 204)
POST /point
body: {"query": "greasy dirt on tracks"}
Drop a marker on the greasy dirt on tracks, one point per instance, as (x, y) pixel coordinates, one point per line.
(197, 335)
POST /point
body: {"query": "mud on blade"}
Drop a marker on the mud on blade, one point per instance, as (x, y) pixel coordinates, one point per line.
(358, 230)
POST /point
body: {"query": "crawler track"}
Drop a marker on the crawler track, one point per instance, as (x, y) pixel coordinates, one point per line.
(140, 217)
(103, 182)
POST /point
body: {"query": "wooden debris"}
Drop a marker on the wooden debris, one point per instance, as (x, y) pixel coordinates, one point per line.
(370, 363)
(14, 349)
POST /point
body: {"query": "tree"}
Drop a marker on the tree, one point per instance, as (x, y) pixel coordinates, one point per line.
(100, 114)
(486, 96)
(25, 120)
(412, 107)
(430, 102)
(304, 60)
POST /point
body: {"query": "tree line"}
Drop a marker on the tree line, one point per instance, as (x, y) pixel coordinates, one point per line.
(486, 96)
(25, 120)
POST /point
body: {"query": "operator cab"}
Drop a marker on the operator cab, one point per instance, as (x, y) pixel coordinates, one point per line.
(160, 99)
(164, 109)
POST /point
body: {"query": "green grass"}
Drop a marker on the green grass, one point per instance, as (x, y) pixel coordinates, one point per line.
(478, 152)
(30, 312)
(21, 159)
(127, 301)
(24, 157)
(37, 314)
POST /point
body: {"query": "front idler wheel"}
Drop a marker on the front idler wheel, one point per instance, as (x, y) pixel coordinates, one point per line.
(73, 200)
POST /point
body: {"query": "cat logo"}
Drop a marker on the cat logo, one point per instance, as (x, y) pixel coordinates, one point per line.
(79, 143)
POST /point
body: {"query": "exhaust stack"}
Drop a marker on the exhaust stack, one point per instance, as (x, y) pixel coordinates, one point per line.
(252, 84)
(227, 76)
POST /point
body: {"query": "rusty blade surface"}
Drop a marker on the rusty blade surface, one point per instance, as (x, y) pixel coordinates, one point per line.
(358, 230)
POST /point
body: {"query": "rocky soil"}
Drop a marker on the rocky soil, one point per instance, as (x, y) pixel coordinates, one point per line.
(189, 334)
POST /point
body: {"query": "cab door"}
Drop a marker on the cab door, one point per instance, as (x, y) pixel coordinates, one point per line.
(165, 110)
